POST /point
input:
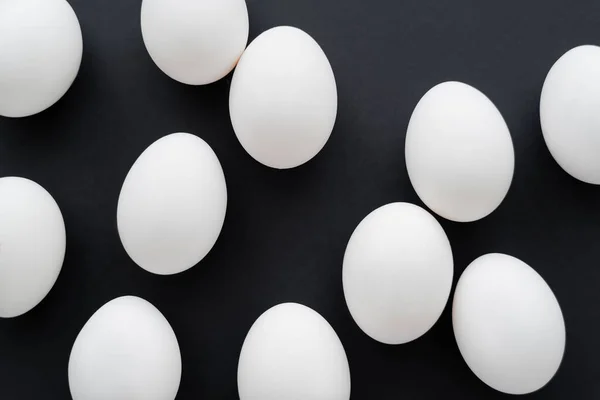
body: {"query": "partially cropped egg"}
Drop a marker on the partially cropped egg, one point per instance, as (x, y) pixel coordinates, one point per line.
(291, 352)
(172, 204)
(397, 273)
(195, 42)
(126, 350)
(40, 54)
(283, 98)
(570, 112)
(32, 245)
(459, 153)
(508, 324)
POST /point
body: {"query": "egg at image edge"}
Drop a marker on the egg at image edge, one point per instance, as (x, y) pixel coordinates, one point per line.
(32, 245)
(126, 350)
(41, 48)
(508, 324)
(291, 352)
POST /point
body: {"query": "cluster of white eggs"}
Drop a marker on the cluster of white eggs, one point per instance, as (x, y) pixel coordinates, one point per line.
(398, 266)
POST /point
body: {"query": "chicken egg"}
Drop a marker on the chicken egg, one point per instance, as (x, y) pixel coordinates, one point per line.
(459, 153)
(195, 42)
(32, 245)
(172, 204)
(283, 98)
(127, 350)
(508, 324)
(570, 113)
(397, 273)
(40, 54)
(291, 352)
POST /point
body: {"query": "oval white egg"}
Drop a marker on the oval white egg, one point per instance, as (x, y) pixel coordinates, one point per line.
(195, 42)
(291, 352)
(459, 153)
(32, 245)
(283, 98)
(126, 350)
(397, 273)
(40, 52)
(569, 113)
(172, 204)
(508, 325)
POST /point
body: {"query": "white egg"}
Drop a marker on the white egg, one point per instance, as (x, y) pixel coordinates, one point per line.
(508, 325)
(32, 245)
(127, 350)
(291, 352)
(397, 273)
(40, 53)
(172, 205)
(570, 113)
(283, 98)
(195, 42)
(459, 152)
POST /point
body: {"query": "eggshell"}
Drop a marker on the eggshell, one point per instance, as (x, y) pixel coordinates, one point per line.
(459, 153)
(32, 245)
(127, 350)
(40, 53)
(195, 42)
(570, 112)
(283, 98)
(291, 352)
(172, 205)
(397, 273)
(508, 325)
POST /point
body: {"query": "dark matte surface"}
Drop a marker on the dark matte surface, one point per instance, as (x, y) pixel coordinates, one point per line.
(286, 231)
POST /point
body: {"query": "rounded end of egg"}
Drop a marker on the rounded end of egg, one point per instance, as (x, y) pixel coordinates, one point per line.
(47, 32)
(195, 42)
(291, 351)
(32, 245)
(126, 350)
(569, 116)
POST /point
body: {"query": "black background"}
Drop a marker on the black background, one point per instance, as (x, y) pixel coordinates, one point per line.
(285, 232)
